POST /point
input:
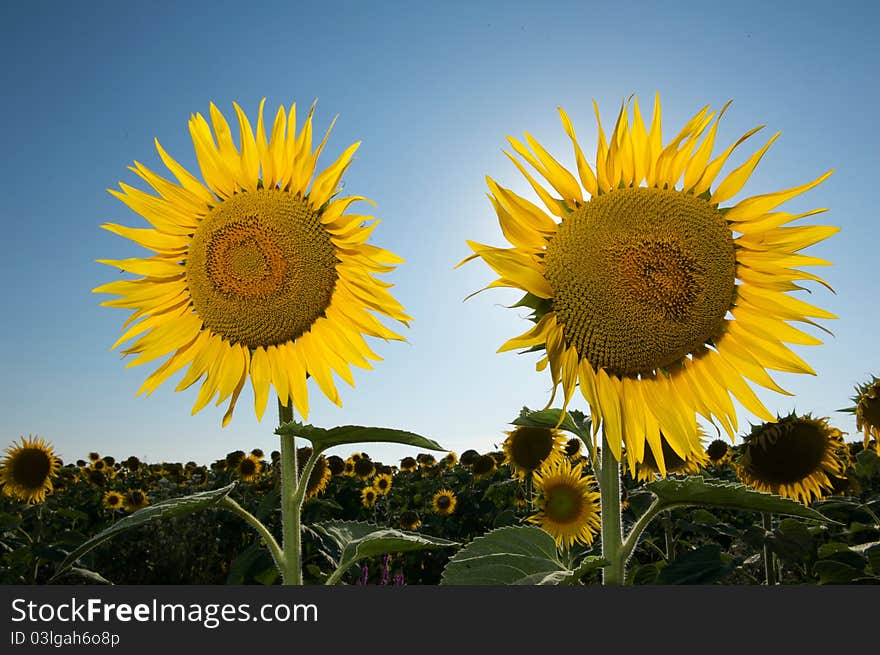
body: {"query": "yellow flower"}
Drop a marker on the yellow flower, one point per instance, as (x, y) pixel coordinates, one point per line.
(718, 452)
(258, 272)
(867, 409)
(382, 484)
(793, 457)
(28, 469)
(249, 468)
(444, 502)
(113, 500)
(568, 508)
(368, 497)
(648, 294)
(527, 448)
(321, 474)
(135, 500)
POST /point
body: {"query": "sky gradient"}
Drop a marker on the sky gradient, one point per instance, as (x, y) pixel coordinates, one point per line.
(431, 90)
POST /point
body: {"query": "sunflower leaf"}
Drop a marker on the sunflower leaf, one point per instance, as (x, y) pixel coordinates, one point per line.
(512, 555)
(733, 495)
(161, 510)
(549, 418)
(323, 438)
(358, 540)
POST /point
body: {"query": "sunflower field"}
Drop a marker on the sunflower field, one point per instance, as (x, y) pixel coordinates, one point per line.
(476, 506)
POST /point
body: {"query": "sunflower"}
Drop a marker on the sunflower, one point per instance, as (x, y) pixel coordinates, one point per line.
(426, 460)
(794, 457)
(568, 508)
(259, 272)
(382, 484)
(364, 468)
(449, 460)
(718, 452)
(348, 468)
(527, 448)
(258, 453)
(99, 464)
(469, 457)
(410, 520)
(113, 500)
(336, 464)
(572, 448)
(320, 477)
(689, 465)
(867, 409)
(135, 499)
(444, 502)
(233, 458)
(368, 497)
(93, 456)
(652, 298)
(28, 469)
(249, 468)
(408, 464)
(484, 465)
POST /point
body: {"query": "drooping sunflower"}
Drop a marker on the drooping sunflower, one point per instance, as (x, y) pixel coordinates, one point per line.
(568, 508)
(867, 409)
(135, 499)
(93, 456)
(368, 497)
(320, 476)
(28, 469)
(113, 500)
(672, 462)
(449, 460)
(364, 468)
(249, 468)
(573, 447)
(348, 467)
(718, 452)
(527, 448)
(443, 503)
(793, 457)
(408, 464)
(483, 466)
(258, 272)
(382, 484)
(469, 457)
(648, 294)
(336, 464)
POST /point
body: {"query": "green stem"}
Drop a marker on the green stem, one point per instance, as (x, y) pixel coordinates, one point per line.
(291, 504)
(667, 531)
(636, 531)
(769, 563)
(229, 504)
(612, 530)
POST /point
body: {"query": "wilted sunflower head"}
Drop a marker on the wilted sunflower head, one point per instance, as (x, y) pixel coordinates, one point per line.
(792, 457)
(259, 272)
(94, 456)
(718, 452)
(647, 294)
(568, 508)
(468, 457)
(484, 465)
(336, 464)
(135, 499)
(672, 461)
(408, 464)
(426, 460)
(382, 483)
(113, 500)
(527, 448)
(28, 469)
(368, 497)
(249, 468)
(364, 468)
(410, 520)
(444, 502)
(110, 460)
(867, 409)
(96, 478)
(258, 453)
(132, 463)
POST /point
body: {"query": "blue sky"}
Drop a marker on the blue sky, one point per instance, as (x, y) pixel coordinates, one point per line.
(432, 90)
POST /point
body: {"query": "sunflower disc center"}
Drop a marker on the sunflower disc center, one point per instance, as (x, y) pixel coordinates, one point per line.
(789, 454)
(261, 268)
(30, 468)
(562, 503)
(641, 278)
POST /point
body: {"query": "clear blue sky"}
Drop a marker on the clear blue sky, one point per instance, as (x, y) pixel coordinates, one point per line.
(431, 89)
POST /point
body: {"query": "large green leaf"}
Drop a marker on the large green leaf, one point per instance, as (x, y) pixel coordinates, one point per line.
(323, 438)
(161, 510)
(523, 555)
(358, 540)
(696, 490)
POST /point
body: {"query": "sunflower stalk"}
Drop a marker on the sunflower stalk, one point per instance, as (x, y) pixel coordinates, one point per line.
(291, 503)
(769, 558)
(612, 530)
